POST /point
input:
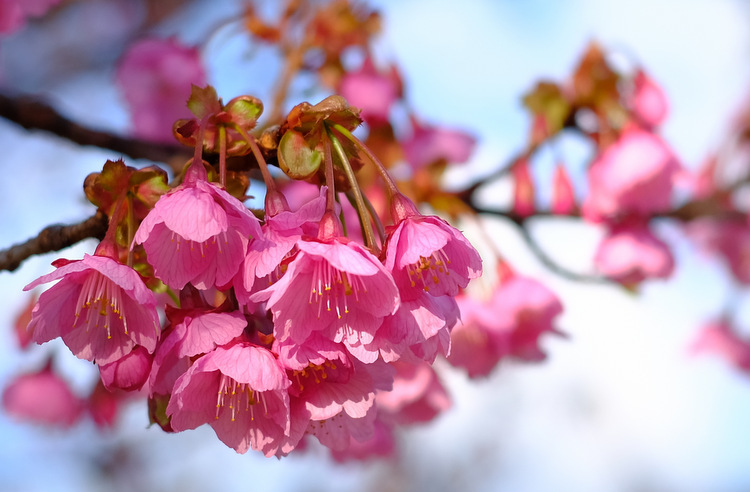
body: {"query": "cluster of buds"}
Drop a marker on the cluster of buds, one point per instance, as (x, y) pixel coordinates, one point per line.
(275, 327)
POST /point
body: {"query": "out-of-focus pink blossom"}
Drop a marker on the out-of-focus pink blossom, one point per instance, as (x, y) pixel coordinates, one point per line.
(155, 76)
(563, 196)
(630, 253)
(197, 233)
(432, 144)
(252, 407)
(104, 405)
(509, 324)
(719, 337)
(649, 103)
(371, 91)
(523, 189)
(382, 444)
(42, 397)
(128, 373)
(100, 307)
(23, 335)
(417, 394)
(729, 239)
(633, 176)
(15, 13)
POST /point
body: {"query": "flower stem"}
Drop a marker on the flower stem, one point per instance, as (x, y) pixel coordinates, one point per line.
(390, 184)
(362, 210)
(262, 165)
(331, 191)
(131, 228)
(223, 156)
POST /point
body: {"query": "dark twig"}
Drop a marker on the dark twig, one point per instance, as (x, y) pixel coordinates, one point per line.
(53, 238)
(35, 115)
(551, 264)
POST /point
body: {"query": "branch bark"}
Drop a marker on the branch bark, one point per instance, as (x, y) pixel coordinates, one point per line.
(35, 115)
(53, 238)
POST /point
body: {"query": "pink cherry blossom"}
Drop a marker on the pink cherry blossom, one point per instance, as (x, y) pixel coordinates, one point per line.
(630, 253)
(417, 394)
(426, 254)
(14, 13)
(281, 231)
(155, 77)
(337, 432)
(252, 406)
(191, 332)
(100, 308)
(475, 340)
(128, 373)
(104, 405)
(728, 239)
(635, 175)
(649, 102)
(381, 444)
(42, 397)
(431, 144)
(348, 293)
(197, 233)
(509, 324)
(563, 196)
(420, 329)
(721, 338)
(371, 91)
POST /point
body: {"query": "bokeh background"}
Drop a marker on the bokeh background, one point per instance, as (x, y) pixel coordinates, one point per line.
(619, 405)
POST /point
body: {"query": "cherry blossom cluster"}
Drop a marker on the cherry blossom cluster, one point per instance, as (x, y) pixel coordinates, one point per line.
(321, 313)
(281, 328)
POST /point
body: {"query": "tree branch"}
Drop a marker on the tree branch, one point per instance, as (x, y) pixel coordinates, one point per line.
(53, 238)
(35, 115)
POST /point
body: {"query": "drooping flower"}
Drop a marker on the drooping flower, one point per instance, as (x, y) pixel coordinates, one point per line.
(509, 324)
(426, 254)
(420, 329)
(382, 444)
(333, 286)
(155, 76)
(634, 175)
(42, 397)
(197, 233)
(191, 332)
(630, 253)
(241, 392)
(431, 144)
(417, 394)
(100, 307)
(281, 231)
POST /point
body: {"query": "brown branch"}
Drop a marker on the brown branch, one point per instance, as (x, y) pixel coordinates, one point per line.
(53, 238)
(35, 115)
(554, 266)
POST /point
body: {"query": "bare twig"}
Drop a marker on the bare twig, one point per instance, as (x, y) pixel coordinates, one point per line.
(35, 115)
(53, 238)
